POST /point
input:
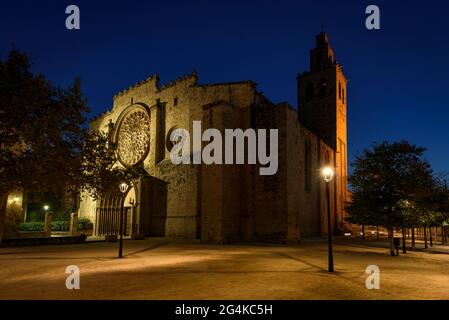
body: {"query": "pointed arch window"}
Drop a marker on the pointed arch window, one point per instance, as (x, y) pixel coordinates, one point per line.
(323, 88)
(339, 90)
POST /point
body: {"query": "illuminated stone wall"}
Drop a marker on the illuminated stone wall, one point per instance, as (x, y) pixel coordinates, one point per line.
(223, 203)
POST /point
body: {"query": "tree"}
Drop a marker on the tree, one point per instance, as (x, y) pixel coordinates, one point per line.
(100, 171)
(383, 178)
(45, 143)
(438, 206)
(361, 213)
(42, 129)
(407, 210)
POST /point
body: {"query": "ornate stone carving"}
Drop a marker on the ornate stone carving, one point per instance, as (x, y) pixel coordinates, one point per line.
(133, 139)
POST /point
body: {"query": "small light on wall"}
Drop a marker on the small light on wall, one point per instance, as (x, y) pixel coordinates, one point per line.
(46, 208)
(123, 187)
(327, 173)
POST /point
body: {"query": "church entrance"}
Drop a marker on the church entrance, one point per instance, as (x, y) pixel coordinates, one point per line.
(145, 210)
(152, 209)
(108, 214)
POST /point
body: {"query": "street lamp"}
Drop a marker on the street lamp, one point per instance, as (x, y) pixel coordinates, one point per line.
(123, 188)
(328, 173)
(46, 208)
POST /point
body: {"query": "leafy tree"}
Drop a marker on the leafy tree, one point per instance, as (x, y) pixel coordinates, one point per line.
(101, 174)
(45, 143)
(383, 178)
(361, 213)
(438, 205)
(41, 131)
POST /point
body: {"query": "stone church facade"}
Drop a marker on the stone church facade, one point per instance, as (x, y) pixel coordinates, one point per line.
(224, 203)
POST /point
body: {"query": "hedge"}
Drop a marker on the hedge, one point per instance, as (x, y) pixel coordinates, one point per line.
(31, 226)
(83, 224)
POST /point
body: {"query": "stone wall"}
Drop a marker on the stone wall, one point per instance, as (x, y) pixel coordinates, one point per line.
(326, 117)
(183, 101)
(15, 211)
(223, 203)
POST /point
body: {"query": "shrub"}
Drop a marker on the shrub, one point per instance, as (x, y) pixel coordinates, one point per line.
(85, 224)
(60, 226)
(31, 226)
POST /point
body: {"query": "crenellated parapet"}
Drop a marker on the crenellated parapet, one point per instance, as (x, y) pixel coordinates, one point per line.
(191, 78)
(153, 80)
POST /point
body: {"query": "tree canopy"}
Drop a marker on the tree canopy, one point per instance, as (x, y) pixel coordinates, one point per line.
(42, 128)
(99, 171)
(394, 186)
(45, 141)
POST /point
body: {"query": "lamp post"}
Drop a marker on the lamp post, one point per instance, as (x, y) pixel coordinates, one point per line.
(328, 173)
(123, 188)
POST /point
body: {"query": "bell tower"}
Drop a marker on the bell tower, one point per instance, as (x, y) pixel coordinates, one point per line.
(322, 97)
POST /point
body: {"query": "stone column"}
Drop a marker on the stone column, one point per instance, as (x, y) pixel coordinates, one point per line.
(74, 224)
(47, 224)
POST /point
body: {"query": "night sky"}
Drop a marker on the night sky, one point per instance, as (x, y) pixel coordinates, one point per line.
(399, 83)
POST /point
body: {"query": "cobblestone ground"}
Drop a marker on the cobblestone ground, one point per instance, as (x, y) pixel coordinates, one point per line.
(164, 269)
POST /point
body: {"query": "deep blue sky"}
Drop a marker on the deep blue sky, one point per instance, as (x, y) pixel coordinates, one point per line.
(399, 84)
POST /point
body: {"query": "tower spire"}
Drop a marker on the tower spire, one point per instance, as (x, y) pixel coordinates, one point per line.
(322, 55)
(322, 97)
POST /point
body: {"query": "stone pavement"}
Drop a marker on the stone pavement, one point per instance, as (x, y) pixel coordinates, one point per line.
(166, 269)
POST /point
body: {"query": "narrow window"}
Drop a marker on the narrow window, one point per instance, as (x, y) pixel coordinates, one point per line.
(343, 96)
(339, 90)
(342, 156)
(323, 88)
(175, 102)
(160, 131)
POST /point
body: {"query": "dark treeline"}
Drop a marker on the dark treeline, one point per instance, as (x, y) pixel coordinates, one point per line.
(395, 187)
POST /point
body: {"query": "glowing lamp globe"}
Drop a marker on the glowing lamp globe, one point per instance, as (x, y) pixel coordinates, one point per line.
(327, 173)
(123, 187)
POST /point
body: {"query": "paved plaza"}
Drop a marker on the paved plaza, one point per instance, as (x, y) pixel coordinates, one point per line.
(167, 269)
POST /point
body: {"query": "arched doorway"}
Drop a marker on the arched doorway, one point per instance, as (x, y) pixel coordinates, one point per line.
(108, 214)
(145, 210)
